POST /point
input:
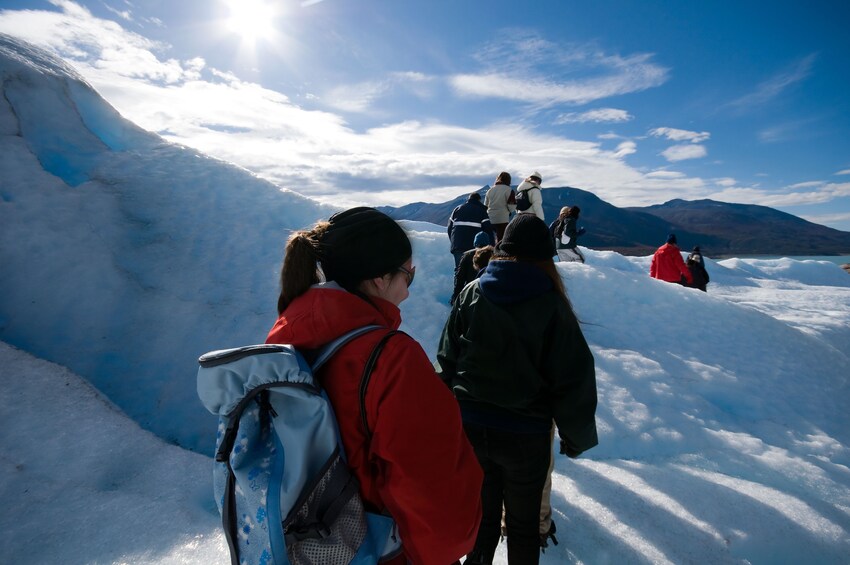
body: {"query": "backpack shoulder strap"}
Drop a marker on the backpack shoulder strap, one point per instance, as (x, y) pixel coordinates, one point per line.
(367, 375)
(321, 356)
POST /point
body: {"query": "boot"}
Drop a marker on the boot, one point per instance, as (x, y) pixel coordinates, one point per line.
(476, 558)
(544, 538)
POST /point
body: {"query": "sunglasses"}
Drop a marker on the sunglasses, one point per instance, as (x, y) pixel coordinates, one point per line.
(409, 274)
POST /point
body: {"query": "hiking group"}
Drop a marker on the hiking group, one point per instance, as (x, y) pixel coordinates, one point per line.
(474, 225)
(339, 440)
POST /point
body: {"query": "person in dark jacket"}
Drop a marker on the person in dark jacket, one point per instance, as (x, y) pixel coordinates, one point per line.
(465, 221)
(418, 465)
(514, 355)
(667, 264)
(565, 234)
(696, 265)
(466, 271)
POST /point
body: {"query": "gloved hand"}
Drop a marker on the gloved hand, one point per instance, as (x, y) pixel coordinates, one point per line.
(568, 450)
(580, 231)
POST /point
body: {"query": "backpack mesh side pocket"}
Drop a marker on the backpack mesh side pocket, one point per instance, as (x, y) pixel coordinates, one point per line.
(328, 523)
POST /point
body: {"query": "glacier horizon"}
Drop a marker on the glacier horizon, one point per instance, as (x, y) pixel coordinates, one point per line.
(723, 424)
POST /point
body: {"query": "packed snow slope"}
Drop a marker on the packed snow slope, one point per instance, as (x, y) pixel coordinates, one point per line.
(723, 416)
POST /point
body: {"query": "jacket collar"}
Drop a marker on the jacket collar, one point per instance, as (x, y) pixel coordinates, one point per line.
(509, 282)
(327, 311)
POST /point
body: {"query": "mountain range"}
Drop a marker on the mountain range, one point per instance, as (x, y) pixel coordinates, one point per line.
(721, 229)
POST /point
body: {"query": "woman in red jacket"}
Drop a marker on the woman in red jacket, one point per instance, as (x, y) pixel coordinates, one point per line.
(418, 465)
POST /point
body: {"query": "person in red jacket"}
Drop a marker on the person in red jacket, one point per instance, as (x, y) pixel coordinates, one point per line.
(418, 465)
(668, 265)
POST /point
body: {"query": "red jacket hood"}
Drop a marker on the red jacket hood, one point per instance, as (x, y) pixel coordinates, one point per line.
(327, 311)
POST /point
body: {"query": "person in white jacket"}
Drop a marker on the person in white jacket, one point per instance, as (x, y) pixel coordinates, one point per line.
(535, 195)
(500, 205)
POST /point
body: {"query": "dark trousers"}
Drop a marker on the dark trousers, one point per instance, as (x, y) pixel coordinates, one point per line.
(457, 255)
(515, 468)
(499, 232)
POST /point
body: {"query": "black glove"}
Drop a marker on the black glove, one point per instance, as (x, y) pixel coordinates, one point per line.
(568, 450)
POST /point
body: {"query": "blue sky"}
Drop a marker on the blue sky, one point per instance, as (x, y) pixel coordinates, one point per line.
(393, 102)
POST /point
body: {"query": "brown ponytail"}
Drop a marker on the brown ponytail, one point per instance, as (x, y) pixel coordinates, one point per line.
(300, 268)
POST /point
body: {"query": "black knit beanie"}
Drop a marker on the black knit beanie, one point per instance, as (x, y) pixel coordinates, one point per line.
(360, 244)
(526, 237)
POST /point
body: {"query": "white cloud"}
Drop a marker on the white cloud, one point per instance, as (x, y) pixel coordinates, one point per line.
(625, 148)
(776, 85)
(362, 97)
(123, 14)
(725, 182)
(674, 134)
(597, 115)
(793, 195)
(413, 76)
(807, 184)
(529, 69)
(539, 90)
(843, 172)
(774, 134)
(665, 174)
(827, 219)
(683, 152)
(355, 97)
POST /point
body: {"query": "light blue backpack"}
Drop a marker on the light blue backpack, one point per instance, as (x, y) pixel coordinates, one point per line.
(281, 482)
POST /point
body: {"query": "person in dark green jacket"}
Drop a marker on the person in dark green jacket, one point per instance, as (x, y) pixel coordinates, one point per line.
(514, 355)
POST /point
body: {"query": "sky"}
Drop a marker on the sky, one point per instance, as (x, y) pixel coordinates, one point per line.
(723, 423)
(396, 102)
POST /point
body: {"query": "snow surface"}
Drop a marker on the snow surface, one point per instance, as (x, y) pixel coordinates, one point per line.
(723, 416)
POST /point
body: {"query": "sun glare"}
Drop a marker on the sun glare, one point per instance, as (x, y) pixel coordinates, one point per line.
(251, 19)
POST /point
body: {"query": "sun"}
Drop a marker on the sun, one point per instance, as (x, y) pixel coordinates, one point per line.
(251, 20)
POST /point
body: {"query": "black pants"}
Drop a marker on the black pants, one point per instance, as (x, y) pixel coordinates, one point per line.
(515, 469)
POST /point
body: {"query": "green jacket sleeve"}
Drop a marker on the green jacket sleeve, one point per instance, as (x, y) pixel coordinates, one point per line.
(570, 369)
(447, 350)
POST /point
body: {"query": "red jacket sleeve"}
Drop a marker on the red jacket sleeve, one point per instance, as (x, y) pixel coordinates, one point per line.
(428, 475)
(653, 267)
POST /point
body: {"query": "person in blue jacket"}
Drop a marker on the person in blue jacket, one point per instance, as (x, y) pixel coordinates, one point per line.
(465, 221)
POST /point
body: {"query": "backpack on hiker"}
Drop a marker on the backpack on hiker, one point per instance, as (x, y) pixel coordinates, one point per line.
(281, 481)
(523, 201)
